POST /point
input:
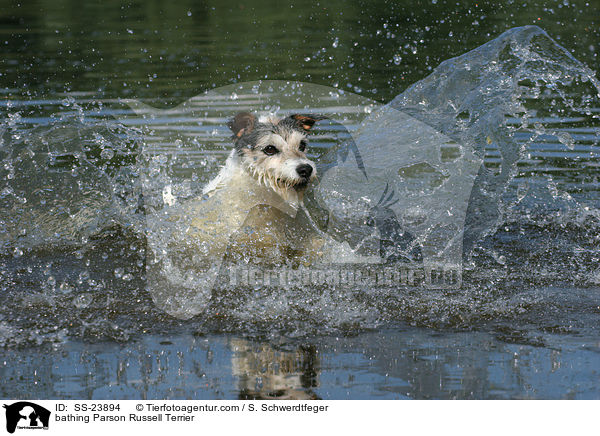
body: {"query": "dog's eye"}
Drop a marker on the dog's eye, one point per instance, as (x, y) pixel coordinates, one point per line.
(270, 150)
(302, 145)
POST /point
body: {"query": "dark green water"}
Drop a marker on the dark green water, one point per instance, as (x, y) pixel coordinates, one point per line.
(168, 52)
(77, 320)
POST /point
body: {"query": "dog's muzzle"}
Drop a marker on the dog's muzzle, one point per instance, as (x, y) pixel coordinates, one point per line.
(304, 171)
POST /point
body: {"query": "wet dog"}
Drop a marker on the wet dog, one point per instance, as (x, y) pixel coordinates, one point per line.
(252, 210)
(270, 153)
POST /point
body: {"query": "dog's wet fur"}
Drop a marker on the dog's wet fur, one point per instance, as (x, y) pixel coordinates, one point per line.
(253, 208)
(273, 152)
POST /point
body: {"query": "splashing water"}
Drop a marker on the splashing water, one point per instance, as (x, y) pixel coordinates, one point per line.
(65, 182)
(509, 131)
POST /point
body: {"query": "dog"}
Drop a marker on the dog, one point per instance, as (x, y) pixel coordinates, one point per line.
(271, 153)
(253, 209)
(251, 213)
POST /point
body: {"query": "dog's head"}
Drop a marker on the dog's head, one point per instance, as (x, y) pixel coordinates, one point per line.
(273, 151)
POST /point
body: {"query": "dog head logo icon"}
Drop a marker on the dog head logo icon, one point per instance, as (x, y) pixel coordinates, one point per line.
(24, 414)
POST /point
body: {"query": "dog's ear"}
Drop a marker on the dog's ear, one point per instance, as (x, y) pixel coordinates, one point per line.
(306, 121)
(242, 123)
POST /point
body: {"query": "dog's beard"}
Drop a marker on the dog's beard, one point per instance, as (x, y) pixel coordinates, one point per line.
(286, 188)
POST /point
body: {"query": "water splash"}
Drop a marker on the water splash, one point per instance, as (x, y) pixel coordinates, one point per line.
(65, 182)
(495, 99)
(521, 108)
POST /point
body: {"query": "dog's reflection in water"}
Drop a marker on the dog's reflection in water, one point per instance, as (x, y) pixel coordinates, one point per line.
(267, 374)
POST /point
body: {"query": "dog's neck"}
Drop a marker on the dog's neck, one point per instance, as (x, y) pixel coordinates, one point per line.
(235, 177)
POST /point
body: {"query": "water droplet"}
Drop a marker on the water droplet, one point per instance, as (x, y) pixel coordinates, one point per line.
(566, 139)
(83, 276)
(500, 259)
(68, 101)
(14, 119)
(107, 153)
(82, 301)
(65, 288)
(539, 128)
(522, 191)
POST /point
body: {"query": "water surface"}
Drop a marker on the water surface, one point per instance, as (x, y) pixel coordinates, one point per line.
(77, 320)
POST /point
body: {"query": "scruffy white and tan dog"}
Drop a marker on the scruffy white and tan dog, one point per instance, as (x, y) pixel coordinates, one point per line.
(271, 153)
(253, 210)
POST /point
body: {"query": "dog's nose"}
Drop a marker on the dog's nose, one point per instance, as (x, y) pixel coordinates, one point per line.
(304, 170)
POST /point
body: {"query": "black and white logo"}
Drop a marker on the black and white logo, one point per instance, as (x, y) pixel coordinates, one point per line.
(26, 415)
